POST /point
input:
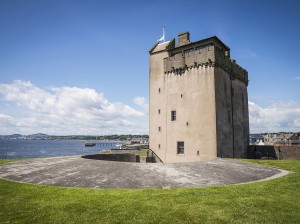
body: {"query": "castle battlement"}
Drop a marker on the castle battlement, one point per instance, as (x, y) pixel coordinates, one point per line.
(210, 53)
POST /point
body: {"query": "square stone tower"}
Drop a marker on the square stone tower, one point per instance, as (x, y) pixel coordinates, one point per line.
(198, 101)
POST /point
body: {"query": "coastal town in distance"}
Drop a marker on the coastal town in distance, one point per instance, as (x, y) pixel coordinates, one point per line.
(273, 138)
(41, 136)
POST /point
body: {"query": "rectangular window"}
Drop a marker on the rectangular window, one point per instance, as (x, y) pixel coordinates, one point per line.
(180, 147)
(159, 129)
(173, 115)
(158, 111)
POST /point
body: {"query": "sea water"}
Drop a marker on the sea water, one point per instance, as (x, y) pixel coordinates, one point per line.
(21, 148)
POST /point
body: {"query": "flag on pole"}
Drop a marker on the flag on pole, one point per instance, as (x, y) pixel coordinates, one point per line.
(162, 37)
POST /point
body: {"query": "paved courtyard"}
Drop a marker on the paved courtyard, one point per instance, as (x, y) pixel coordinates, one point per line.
(74, 171)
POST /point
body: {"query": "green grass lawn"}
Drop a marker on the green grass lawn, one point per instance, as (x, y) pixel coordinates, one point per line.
(275, 201)
(3, 161)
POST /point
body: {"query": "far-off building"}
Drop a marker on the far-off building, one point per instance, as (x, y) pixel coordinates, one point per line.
(198, 101)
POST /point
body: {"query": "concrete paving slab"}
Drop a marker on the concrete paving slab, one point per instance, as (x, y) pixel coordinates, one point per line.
(74, 171)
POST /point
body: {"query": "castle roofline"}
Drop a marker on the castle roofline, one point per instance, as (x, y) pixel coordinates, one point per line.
(158, 47)
(184, 42)
(214, 39)
(206, 52)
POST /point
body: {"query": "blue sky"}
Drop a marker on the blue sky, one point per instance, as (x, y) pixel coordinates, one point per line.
(81, 66)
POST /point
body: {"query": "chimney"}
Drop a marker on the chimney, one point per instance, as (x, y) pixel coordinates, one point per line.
(183, 38)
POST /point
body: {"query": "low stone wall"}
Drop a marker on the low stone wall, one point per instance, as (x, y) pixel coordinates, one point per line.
(125, 157)
(288, 152)
(260, 151)
(275, 152)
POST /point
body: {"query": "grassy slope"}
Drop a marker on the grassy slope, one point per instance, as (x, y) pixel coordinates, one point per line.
(3, 161)
(275, 201)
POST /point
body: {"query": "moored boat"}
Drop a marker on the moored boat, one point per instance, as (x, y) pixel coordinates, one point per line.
(89, 144)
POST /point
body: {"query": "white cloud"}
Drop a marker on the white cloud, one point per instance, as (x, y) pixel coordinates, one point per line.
(68, 110)
(280, 116)
(5, 122)
(142, 102)
(296, 78)
(73, 110)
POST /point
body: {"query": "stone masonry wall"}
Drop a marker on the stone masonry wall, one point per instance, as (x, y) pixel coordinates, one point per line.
(276, 152)
(206, 55)
(126, 157)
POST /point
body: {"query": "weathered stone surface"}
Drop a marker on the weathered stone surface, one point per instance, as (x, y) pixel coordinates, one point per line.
(75, 171)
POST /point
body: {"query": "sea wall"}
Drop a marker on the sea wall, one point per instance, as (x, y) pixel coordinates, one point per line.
(275, 152)
(125, 157)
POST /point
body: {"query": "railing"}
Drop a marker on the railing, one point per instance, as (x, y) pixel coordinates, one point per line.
(153, 155)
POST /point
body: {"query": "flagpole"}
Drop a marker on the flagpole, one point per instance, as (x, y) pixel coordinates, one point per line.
(163, 36)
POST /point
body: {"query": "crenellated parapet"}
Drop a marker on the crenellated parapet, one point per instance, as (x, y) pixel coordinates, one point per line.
(208, 54)
(230, 66)
(179, 61)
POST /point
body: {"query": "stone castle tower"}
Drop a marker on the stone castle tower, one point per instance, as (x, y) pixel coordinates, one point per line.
(198, 101)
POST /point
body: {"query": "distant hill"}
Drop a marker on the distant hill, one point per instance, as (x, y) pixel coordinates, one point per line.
(38, 135)
(41, 136)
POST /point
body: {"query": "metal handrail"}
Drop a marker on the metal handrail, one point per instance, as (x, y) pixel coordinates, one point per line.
(153, 153)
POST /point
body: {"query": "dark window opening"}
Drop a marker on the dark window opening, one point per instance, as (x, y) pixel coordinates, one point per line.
(159, 146)
(187, 123)
(159, 128)
(173, 115)
(159, 111)
(198, 153)
(180, 147)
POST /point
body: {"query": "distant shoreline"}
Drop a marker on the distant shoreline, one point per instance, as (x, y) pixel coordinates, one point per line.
(115, 138)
